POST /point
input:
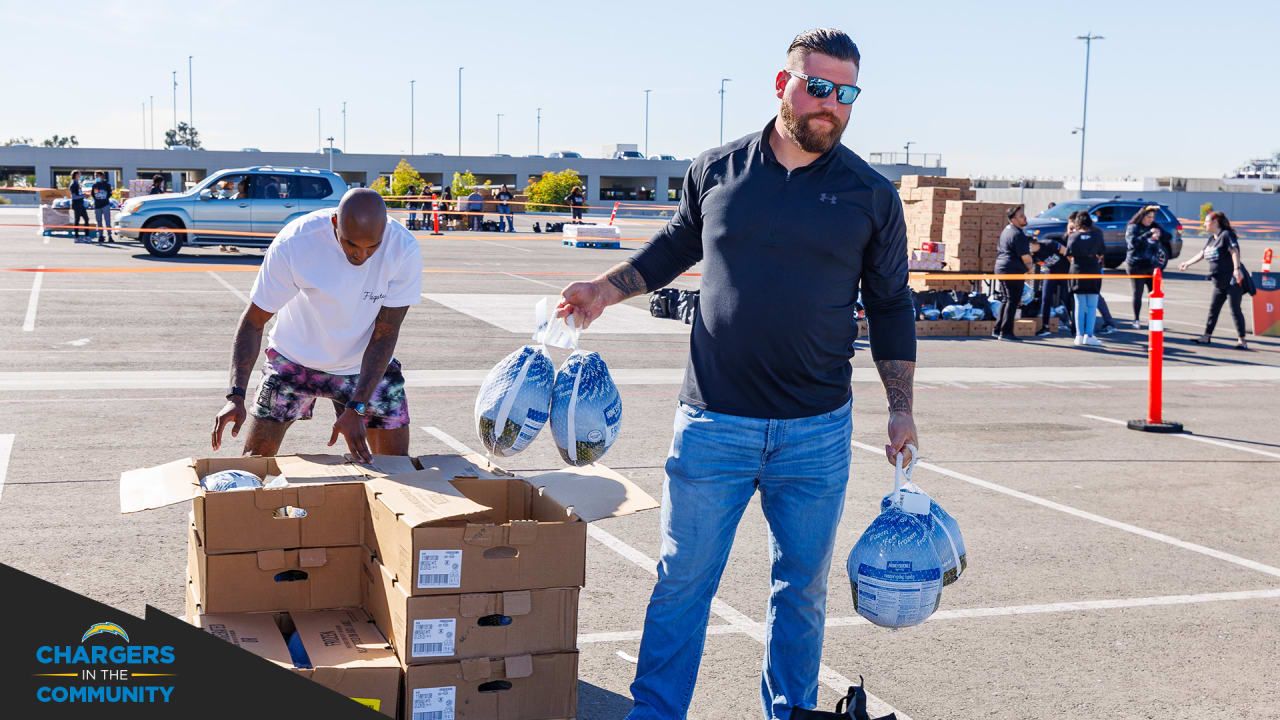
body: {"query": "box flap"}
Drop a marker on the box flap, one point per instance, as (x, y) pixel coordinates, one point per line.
(593, 492)
(308, 469)
(312, 557)
(475, 605)
(154, 487)
(463, 466)
(519, 602)
(520, 666)
(343, 638)
(478, 669)
(422, 496)
(255, 632)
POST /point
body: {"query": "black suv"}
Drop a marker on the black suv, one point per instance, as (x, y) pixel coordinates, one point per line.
(1111, 217)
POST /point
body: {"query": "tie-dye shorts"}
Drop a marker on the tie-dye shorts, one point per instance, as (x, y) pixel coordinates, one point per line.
(288, 392)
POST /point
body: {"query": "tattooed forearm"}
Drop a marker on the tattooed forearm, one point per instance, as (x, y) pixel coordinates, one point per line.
(627, 279)
(244, 353)
(898, 377)
(378, 353)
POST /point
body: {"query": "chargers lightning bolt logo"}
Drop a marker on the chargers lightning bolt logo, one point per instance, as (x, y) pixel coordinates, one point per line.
(105, 627)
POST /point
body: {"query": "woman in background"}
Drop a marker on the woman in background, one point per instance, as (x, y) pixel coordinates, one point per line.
(1085, 248)
(1223, 253)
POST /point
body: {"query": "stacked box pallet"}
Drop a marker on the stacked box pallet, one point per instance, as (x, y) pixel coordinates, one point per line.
(925, 199)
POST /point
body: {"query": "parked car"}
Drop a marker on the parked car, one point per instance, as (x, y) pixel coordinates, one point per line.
(1111, 217)
(499, 155)
(533, 156)
(662, 157)
(261, 199)
(628, 155)
(565, 154)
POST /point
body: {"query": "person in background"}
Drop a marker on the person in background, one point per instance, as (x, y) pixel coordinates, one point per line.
(412, 205)
(446, 202)
(1014, 258)
(505, 219)
(1223, 253)
(1052, 260)
(1143, 253)
(157, 184)
(1085, 248)
(575, 200)
(1068, 297)
(475, 207)
(78, 210)
(1052, 205)
(102, 205)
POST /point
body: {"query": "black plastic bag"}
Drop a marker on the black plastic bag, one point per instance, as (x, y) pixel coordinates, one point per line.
(687, 306)
(852, 705)
(662, 303)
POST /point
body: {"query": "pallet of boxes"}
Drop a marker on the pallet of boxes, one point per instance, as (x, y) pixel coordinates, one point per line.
(424, 588)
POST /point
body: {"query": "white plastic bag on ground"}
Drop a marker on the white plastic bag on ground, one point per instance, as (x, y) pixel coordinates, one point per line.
(944, 531)
(894, 568)
(230, 480)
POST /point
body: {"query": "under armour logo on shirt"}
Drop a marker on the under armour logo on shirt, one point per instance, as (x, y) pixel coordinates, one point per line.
(827, 198)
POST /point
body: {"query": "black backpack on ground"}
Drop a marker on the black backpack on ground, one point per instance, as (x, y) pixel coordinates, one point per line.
(851, 706)
(662, 303)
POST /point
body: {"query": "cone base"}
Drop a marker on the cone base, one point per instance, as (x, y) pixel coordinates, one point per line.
(1160, 427)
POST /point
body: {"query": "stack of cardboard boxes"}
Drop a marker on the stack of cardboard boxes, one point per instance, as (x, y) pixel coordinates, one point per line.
(472, 573)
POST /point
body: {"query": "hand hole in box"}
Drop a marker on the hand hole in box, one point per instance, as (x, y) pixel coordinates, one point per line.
(291, 576)
(495, 686)
(494, 621)
(288, 512)
(502, 552)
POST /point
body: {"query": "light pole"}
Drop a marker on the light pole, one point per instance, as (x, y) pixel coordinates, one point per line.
(538, 142)
(344, 126)
(319, 144)
(191, 114)
(175, 105)
(459, 111)
(722, 82)
(499, 142)
(152, 99)
(144, 125)
(412, 107)
(1088, 39)
(330, 153)
(907, 147)
(646, 123)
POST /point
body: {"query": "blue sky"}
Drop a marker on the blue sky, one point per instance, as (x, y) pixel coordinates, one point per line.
(1176, 87)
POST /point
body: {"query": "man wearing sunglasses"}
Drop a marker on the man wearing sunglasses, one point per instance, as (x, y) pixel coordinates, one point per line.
(789, 225)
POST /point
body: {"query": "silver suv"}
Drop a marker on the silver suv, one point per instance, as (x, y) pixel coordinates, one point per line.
(245, 207)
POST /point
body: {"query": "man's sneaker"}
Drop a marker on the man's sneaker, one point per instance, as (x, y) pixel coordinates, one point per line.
(1044, 332)
(1135, 325)
(1107, 329)
(1092, 341)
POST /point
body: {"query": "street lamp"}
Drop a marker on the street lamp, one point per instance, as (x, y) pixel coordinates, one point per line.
(344, 126)
(907, 147)
(319, 144)
(152, 99)
(499, 143)
(175, 105)
(722, 82)
(538, 142)
(646, 122)
(1088, 39)
(191, 113)
(459, 111)
(412, 107)
(330, 153)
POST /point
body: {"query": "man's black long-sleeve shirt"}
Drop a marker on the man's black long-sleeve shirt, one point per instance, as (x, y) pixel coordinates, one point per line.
(783, 256)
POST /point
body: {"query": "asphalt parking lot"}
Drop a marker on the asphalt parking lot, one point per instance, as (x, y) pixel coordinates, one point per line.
(1111, 573)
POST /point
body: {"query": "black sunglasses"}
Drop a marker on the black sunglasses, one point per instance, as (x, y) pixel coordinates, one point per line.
(820, 88)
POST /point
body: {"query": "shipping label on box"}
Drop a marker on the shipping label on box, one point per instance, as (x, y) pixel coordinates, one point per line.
(533, 687)
(427, 629)
(329, 488)
(461, 525)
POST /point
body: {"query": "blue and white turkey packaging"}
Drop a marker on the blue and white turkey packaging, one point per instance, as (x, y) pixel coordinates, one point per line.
(944, 531)
(515, 400)
(586, 409)
(894, 569)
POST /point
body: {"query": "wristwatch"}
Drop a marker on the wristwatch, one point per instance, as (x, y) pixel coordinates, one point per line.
(235, 391)
(359, 407)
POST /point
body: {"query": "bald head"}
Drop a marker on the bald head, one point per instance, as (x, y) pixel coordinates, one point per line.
(359, 224)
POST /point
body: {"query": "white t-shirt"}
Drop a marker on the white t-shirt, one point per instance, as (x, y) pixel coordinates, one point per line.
(326, 306)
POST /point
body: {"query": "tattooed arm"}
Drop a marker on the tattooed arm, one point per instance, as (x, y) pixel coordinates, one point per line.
(898, 377)
(377, 355)
(244, 355)
(586, 300)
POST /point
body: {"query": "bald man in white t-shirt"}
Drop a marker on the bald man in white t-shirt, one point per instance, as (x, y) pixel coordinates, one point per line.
(342, 281)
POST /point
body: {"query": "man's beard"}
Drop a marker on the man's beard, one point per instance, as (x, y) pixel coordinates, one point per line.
(810, 140)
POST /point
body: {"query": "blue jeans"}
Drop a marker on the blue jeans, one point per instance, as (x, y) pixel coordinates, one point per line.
(103, 217)
(1086, 313)
(506, 219)
(717, 463)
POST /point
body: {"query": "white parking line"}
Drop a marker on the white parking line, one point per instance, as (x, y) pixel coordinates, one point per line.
(6, 447)
(234, 291)
(539, 282)
(1160, 537)
(29, 323)
(738, 622)
(1190, 436)
(509, 247)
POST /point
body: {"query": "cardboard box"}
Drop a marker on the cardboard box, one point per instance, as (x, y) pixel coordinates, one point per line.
(981, 328)
(461, 525)
(524, 687)
(444, 628)
(329, 487)
(942, 328)
(971, 263)
(347, 653)
(915, 181)
(993, 224)
(273, 580)
(1026, 327)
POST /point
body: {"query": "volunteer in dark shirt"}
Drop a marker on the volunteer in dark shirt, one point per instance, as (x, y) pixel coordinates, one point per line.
(1013, 258)
(78, 210)
(102, 205)
(1223, 253)
(1144, 251)
(157, 185)
(788, 225)
(505, 219)
(575, 200)
(1085, 248)
(1051, 259)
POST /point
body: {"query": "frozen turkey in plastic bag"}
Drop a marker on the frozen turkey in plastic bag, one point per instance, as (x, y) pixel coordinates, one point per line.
(586, 410)
(894, 570)
(514, 400)
(230, 480)
(944, 531)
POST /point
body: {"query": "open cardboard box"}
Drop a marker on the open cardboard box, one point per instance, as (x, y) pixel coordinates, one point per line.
(443, 628)
(273, 580)
(347, 652)
(461, 525)
(523, 687)
(329, 487)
